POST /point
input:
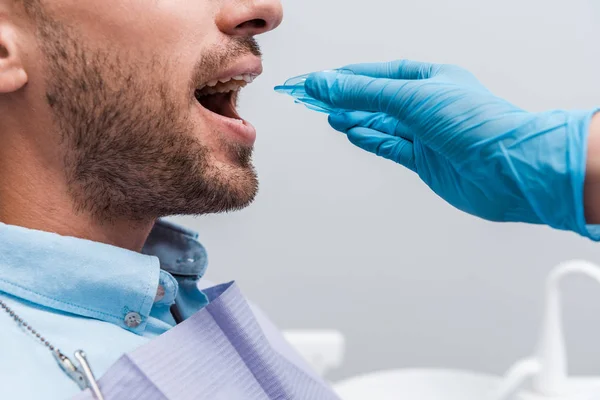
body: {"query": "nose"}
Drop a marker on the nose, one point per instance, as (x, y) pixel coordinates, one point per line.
(249, 17)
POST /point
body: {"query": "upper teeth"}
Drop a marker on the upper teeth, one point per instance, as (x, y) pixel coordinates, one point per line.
(248, 78)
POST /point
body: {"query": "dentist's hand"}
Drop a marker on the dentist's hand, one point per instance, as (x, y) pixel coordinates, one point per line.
(480, 153)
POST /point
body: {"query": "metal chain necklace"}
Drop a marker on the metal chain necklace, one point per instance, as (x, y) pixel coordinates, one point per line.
(83, 376)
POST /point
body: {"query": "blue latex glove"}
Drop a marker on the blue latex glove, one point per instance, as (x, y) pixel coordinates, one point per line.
(480, 153)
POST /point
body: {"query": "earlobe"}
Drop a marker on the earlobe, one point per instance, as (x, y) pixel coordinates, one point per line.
(11, 79)
(12, 73)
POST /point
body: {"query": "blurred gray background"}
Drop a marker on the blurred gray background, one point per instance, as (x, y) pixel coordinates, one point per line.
(341, 239)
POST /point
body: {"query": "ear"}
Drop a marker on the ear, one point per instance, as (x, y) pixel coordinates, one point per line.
(12, 72)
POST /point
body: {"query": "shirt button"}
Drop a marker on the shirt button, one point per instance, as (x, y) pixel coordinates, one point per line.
(133, 319)
(160, 294)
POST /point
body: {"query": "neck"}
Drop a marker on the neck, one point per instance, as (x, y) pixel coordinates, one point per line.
(34, 195)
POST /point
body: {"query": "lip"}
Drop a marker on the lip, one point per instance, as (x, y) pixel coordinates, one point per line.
(250, 64)
(243, 132)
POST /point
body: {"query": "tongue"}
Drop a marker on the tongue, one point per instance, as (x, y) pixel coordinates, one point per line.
(219, 103)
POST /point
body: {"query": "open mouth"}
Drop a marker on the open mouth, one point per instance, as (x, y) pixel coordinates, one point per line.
(220, 96)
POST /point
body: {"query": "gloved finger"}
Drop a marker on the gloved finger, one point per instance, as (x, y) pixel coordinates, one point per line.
(399, 69)
(357, 92)
(378, 121)
(393, 148)
(347, 120)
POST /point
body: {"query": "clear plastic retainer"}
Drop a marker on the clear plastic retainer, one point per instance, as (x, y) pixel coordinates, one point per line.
(295, 87)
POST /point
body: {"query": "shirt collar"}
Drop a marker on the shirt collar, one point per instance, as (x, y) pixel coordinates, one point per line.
(178, 249)
(96, 280)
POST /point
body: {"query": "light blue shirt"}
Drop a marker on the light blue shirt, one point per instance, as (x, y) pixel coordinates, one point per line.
(80, 294)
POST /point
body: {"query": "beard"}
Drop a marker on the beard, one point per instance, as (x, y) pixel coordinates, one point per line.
(129, 146)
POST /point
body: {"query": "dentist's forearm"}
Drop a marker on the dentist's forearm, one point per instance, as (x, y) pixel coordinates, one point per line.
(592, 178)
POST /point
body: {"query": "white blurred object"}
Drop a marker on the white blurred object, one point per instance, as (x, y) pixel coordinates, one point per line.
(323, 350)
(552, 356)
(547, 370)
(432, 384)
(545, 373)
(425, 384)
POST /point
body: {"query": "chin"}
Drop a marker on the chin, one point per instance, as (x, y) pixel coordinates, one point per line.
(234, 188)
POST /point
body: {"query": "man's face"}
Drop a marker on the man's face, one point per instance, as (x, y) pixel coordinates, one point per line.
(128, 90)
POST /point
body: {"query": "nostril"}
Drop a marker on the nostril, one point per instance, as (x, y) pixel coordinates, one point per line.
(253, 24)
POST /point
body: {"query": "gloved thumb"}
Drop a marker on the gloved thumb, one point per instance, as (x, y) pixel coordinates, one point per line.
(391, 147)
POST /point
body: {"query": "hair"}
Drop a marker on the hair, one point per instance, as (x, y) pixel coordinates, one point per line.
(32, 8)
(27, 3)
